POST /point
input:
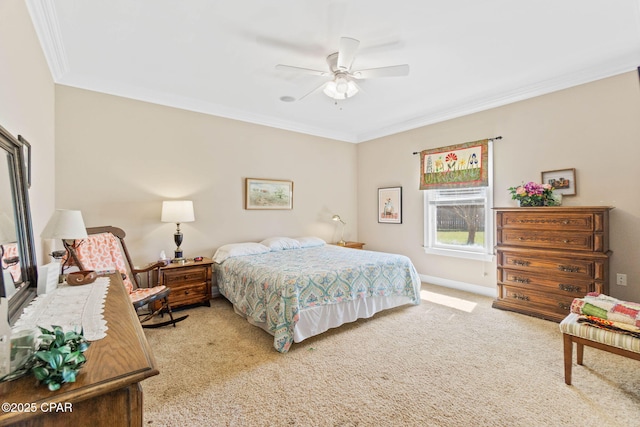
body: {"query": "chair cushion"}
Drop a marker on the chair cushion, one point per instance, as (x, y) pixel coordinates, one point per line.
(142, 293)
(571, 326)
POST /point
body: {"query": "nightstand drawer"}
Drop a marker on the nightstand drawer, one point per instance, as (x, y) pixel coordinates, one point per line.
(185, 275)
(186, 294)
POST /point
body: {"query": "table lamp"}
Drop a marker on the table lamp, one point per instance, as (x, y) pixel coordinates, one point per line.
(177, 211)
(66, 225)
(341, 242)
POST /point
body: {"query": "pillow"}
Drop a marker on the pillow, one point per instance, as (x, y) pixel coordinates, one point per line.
(310, 241)
(281, 243)
(238, 249)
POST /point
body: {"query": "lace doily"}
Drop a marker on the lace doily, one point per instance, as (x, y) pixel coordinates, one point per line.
(71, 307)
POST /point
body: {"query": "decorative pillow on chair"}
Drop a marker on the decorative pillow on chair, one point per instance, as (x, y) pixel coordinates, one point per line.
(281, 243)
(238, 249)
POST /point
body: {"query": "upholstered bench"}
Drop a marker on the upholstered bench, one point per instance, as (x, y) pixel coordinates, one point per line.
(583, 334)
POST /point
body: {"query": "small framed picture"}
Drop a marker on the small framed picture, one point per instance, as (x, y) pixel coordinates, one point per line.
(390, 205)
(562, 180)
(268, 194)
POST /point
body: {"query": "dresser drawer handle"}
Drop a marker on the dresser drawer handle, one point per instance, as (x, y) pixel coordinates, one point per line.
(564, 305)
(521, 280)
(566, 241)
(521, 262)
(521, 297)
(568, 288)
(566, 222)
(569, 268)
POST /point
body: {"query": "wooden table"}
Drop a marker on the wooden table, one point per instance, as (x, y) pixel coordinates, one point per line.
(107, 392)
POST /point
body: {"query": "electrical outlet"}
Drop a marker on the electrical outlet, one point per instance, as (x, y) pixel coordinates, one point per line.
(621, 279)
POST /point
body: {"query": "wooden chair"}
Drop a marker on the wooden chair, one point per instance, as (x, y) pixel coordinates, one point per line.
(104, 250)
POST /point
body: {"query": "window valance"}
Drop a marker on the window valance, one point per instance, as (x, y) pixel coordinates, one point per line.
(462, 165)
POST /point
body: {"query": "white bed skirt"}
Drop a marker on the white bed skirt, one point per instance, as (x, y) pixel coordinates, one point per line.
(316, 320)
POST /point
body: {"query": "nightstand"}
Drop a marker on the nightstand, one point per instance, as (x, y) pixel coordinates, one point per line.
(352, 245)
(190, 282)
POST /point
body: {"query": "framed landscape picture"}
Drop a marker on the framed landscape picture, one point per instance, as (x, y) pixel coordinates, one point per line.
(562, 180)
(390, 205)
(268, 194)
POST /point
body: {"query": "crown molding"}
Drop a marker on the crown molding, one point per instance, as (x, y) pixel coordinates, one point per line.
(45, 21)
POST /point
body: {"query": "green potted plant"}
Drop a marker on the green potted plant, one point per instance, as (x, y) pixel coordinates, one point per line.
(57, 360)
(59, 357)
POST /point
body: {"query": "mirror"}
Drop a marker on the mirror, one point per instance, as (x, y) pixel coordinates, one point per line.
(19, 268)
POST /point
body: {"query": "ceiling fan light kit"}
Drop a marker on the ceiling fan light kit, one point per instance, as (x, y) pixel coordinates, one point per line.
(343, 85)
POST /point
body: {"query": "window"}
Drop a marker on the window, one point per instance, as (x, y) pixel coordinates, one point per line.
(459, 222)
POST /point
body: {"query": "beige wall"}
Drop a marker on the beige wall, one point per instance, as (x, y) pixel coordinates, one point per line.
(27, 106)
(118, 159)
(594, 128)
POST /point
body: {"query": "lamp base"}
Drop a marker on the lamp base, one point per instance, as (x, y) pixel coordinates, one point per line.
(178, 256)
(342, 243)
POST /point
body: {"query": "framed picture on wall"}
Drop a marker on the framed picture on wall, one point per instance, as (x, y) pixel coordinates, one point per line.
(268, 194)
(562, 180)
(390, 205)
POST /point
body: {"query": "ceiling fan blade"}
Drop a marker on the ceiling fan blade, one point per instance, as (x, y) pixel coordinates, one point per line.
(391, 71)
(347, 52)
(315, 90)
(302, 70)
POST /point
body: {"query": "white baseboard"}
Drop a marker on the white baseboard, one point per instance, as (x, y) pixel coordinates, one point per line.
(461, 286)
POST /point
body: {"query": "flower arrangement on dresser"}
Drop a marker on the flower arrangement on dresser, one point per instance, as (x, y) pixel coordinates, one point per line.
(534, 194)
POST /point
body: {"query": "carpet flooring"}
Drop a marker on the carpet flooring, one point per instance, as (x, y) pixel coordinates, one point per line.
(450, 361)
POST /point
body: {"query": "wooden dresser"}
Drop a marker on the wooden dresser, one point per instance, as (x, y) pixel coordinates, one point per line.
(107, 391)
(547, 256)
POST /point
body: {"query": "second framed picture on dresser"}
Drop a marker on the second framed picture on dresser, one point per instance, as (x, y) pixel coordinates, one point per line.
(390, 205)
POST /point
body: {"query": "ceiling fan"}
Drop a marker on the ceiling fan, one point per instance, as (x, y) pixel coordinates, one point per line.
(343, 83)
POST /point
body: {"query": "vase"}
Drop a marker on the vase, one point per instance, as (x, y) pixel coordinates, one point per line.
(530, 203)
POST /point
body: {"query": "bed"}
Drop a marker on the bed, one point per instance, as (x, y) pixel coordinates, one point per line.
(298, 288)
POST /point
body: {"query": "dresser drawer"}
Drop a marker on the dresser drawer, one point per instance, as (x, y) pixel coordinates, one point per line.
(534, 300)
(184, 275)
(558, 221)
(574, 241)
(578, 268)
(564, 286)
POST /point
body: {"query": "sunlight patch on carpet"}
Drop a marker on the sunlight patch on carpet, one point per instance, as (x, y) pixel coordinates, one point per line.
(457, 303)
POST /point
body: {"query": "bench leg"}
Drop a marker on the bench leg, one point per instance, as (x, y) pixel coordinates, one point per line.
(568, 356)
(579, 352)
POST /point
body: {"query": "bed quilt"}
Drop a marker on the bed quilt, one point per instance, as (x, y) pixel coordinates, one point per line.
(273, 287)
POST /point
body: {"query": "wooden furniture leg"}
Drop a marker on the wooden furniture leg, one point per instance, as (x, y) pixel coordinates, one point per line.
(580, 352)
(568, 356)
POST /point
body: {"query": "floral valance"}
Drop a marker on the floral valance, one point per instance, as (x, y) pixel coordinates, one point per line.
(455, 166)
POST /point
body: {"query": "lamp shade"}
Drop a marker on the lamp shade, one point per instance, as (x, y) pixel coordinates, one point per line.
(177, 211)
(337, 218)
(66, 225)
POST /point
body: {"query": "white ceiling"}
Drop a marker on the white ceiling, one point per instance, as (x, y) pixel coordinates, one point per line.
(218, 56)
